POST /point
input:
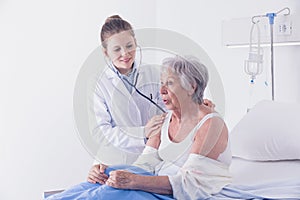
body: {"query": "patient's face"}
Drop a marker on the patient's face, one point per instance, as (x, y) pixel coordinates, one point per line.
(172, 93)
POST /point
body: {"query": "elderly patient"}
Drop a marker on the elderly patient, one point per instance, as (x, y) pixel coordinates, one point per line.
(189, 156)
(189, 138)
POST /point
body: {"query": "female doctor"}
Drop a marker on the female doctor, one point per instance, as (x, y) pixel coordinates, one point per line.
(127, 104)
(121, 111)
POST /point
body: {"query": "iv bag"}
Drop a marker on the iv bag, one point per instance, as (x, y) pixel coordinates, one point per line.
(253, 65)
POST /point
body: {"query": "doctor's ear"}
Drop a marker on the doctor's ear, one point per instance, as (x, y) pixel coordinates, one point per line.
(104, 50)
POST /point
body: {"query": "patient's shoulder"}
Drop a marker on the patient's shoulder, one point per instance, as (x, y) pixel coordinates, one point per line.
(211, 139)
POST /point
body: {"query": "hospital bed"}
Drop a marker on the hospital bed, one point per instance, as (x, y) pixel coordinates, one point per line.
(265, 146)
(266, 153)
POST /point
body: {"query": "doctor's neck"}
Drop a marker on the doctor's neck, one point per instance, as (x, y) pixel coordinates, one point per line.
(124, 71)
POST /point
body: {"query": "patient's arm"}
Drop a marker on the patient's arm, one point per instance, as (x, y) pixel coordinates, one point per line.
(211, 139)
(149, 159)
(126, 180)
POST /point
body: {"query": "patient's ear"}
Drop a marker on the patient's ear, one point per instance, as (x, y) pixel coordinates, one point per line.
(192, 90)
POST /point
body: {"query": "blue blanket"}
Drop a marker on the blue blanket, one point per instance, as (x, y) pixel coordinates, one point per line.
(89, 191)
(97, 191)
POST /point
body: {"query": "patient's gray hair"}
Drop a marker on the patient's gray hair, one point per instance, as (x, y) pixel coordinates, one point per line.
(191, 72)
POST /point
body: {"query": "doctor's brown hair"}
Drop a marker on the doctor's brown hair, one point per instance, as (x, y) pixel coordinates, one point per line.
(113, 25)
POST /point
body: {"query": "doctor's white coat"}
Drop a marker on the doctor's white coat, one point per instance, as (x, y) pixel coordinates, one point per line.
(120, 117)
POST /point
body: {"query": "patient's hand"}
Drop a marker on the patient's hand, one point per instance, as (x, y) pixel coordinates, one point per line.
(96, 174)
(121, 179)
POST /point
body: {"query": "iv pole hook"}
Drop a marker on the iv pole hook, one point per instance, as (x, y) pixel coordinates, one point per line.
(286, 8)
(255, 20)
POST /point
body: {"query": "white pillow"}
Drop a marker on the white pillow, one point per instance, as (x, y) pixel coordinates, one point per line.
(269, 131)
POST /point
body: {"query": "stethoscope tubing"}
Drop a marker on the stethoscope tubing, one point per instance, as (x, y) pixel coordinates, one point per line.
(109, 64)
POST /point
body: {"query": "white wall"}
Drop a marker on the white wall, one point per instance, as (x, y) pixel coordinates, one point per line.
(202, 22)
(42, 47)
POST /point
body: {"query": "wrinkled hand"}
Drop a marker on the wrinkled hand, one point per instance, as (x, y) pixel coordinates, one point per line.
(121, 179)
(97, 175)
(154, 124)
(209, 104)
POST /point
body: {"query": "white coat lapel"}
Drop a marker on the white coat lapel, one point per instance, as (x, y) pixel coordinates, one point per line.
(123, 95)
(117, 83)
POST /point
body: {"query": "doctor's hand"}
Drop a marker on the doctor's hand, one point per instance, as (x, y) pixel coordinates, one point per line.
(97, 174)
(154, 124)
(121, 179)
(209, 104)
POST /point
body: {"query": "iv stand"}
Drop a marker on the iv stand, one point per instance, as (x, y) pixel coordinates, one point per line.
(271, 17)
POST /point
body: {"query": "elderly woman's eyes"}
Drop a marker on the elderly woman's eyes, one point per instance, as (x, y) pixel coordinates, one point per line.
(167, 83)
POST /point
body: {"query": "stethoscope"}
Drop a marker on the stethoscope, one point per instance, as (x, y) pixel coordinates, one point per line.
(112, 67)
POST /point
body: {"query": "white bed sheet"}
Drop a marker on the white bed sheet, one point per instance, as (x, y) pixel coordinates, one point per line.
(246, 172)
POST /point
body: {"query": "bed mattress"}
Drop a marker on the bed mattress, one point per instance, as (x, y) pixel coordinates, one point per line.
(246, 172)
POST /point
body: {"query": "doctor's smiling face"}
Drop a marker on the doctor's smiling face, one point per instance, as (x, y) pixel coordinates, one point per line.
(121, 49)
